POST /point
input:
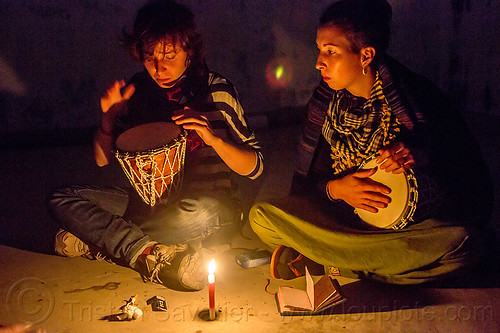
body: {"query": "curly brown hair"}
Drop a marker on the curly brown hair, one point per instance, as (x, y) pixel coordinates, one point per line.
(168, 22)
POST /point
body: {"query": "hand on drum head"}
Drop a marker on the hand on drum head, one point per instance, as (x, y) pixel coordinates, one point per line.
(359, 191)
(114, 97)
(395, 158)
(191, 119)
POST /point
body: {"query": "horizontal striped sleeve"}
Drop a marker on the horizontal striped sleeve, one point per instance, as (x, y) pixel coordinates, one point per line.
(225, 99)
(238, 124)
(259, 167)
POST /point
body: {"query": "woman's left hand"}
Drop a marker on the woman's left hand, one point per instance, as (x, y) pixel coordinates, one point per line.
(395, 158)
(191, 119)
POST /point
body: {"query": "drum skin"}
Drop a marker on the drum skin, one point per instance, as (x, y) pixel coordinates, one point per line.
(403, 197)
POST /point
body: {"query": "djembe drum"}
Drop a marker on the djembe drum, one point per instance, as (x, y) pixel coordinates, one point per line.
(152, 157)
(404, 197)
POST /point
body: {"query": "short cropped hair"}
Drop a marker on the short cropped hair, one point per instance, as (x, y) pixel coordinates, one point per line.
(364, 22)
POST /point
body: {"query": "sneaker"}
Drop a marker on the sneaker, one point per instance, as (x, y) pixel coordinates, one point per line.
(288, 264)
(173, 265)
(68, 245)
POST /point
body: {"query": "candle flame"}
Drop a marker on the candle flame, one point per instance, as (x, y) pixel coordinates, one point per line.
(211, 267)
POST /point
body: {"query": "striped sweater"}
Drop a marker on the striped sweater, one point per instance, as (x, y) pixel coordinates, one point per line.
(204, 169)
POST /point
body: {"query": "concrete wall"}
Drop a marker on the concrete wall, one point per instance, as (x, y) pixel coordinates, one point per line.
(58, 56)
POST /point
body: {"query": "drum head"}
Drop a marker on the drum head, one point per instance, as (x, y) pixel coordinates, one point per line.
(147, 137)
(398, 183)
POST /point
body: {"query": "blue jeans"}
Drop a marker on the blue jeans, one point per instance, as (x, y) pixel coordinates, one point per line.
(115, 221)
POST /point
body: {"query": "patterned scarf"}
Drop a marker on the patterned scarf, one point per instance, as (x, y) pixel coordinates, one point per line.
(357, 128)
(392, 74)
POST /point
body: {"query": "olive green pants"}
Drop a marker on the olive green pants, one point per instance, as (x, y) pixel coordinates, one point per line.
(422, 252)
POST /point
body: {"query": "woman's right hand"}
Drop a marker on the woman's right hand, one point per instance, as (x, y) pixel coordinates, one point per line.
(113, 102)
(359, 191)
(114, 97)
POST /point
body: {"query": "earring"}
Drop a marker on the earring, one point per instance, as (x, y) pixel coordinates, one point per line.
(364, 71)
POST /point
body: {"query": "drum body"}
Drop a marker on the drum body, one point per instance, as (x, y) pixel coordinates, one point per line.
(404, 197)
(152, 157)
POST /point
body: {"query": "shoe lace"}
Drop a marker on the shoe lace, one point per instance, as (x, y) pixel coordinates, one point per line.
(102, 257)
(99, 256)
(161, 260)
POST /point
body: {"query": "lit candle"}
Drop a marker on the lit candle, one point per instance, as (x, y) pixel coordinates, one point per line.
(211, 289)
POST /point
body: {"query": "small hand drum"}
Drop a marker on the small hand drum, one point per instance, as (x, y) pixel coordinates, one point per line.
(404, 197)
(152, 156)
